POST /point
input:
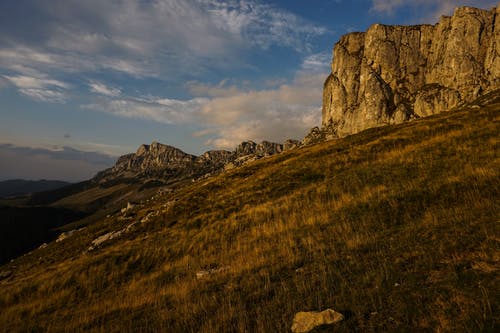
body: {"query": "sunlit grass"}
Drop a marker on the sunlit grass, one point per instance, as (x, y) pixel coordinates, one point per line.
(396, 227)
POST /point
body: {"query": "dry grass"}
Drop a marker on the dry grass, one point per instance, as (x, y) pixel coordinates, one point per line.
(396, 227)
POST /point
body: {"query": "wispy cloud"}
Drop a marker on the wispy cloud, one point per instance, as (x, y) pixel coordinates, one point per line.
(317, 63)
(181, 34)
(430, 10)
(101, 88)
(162, 110)
(40, 88)
(262, 25)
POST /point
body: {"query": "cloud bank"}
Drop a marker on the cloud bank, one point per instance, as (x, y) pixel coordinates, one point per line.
(61, 163)
(229, 114)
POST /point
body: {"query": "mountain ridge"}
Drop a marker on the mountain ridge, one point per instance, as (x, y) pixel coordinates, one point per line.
(161, 161)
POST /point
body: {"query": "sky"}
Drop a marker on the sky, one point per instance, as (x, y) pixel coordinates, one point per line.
(85, 81)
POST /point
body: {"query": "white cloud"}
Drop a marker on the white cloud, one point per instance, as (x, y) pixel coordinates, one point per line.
(45, 95)
(275, 114)
(208, 90)
(40, 88)
(227, 119)
(317, 63)
(101, 88)
(260, 24)
(162, 110)
(148, 38)
(28, 82)
(228, 114)
(432, 9)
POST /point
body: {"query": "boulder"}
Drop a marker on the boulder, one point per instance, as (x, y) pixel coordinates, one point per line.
(304, 322)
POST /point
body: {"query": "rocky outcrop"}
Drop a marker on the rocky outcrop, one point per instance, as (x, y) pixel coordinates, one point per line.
(392, 74)
(291, 144)
(265, 148)
(169, 164)
(153, 158)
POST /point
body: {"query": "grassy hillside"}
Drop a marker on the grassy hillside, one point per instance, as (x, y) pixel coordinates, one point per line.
(396, 227)
(27, 222)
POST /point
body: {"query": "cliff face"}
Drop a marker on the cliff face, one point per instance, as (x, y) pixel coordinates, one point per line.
(392, 74)
(153, 157)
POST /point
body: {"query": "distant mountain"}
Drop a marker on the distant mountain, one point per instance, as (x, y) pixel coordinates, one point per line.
(171, 165)
(15, 187)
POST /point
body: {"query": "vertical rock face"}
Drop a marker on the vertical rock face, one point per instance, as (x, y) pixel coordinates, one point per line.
(391, 74)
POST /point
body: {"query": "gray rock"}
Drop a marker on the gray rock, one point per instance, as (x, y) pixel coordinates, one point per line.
(392, 74)
(205, 273)
(304, 322)
(290, 144)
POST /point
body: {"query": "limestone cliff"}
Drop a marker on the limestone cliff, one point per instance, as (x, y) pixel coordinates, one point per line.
(391, 74)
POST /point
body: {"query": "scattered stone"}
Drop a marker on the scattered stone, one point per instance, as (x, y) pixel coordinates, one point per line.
(109, 236)
(149, 216)
(304, 322)
(43, 246)
(64, 235)
(206, 273)
(67, 234)
(5, 274)
(106, 237)
(129, 207)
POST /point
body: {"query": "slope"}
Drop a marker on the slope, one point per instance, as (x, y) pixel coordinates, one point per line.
(396, 227)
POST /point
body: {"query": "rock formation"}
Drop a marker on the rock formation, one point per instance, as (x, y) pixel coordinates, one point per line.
(392, 74)
(152, 158)
(169, 164)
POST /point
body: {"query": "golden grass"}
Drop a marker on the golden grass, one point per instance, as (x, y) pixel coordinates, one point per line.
(396, 227)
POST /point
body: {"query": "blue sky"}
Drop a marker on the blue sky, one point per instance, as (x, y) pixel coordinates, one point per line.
(84, 81)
